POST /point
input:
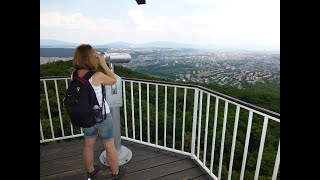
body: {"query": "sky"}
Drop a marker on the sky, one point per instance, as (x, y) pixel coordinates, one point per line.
(236, 23)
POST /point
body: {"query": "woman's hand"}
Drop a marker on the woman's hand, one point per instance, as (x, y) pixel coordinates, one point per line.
(101, 59)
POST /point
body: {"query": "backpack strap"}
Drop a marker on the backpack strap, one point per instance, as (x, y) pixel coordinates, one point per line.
(103, 99)
(74, 74)
(88, 75)
(103, 103)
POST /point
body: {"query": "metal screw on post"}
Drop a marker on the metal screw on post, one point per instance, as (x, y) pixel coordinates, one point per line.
(114, 100)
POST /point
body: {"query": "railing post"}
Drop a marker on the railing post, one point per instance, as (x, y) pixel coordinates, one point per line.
(276, 165)
(194, 122)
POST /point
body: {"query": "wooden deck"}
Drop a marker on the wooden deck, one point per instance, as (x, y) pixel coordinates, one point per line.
(64, 161)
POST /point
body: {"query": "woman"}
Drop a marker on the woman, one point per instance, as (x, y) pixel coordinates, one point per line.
(86, 59)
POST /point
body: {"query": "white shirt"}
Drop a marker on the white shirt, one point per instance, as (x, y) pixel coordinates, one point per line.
(98, 91)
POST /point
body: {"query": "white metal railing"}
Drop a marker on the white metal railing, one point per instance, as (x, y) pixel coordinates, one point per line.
(158, 138)
(63, 135)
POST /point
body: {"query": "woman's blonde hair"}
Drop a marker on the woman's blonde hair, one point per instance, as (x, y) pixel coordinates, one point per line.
(84, 58)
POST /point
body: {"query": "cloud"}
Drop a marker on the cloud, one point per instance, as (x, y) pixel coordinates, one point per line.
(246, 22)
(240, 22)
(140, 22)
(79, 28)
(205, 2)
(77, 21)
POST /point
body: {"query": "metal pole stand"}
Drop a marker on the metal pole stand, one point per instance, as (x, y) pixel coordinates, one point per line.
(124, 154)
(114, 100)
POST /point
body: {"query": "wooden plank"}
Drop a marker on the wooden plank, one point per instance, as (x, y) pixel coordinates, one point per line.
(135, 166)
(64, 154)
(184, 174)
(70, 163)
(67, 167)
(74, 162)
(66, 163)
(145, 156)
(64, 174)
(156, 161)
(203, 177)
(79, 140)
(62, 143)
(61, 152)
(57, 162)
(67, 159)
(79, 172)
(41, 151)
(75, 149)
(161, 170)
(151, 163)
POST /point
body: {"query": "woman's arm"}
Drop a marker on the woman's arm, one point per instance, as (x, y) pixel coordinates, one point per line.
(108, 77)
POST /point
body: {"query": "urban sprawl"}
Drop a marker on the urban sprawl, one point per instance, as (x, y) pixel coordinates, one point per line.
(201, 65)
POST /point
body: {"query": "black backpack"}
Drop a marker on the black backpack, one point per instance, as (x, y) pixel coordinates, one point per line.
(80, 99)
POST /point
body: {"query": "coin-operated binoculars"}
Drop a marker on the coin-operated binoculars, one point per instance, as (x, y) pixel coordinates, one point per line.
(114, 100)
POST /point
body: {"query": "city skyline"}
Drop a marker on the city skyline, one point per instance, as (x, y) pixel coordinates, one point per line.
(246, 24)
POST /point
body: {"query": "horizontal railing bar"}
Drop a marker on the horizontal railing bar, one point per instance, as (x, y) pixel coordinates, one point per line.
(157, 146)
(205, 168)
(162, 84)
(54, 78)
(61, 138)
(159, 82)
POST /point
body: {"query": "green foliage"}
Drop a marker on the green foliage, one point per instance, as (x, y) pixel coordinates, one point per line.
(168, 71)
(58, 68)
(263, 95)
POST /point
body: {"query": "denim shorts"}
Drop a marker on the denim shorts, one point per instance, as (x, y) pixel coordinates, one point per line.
(104, 129)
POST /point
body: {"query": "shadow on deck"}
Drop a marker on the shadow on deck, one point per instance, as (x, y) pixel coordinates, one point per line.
(64, 161)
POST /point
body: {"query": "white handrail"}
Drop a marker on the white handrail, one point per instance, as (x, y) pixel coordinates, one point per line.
(196, 124)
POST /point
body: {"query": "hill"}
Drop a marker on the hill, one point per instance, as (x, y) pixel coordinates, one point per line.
(55, 43)
(46, 43)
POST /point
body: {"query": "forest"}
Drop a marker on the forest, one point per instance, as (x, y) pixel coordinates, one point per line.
(263, 95)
